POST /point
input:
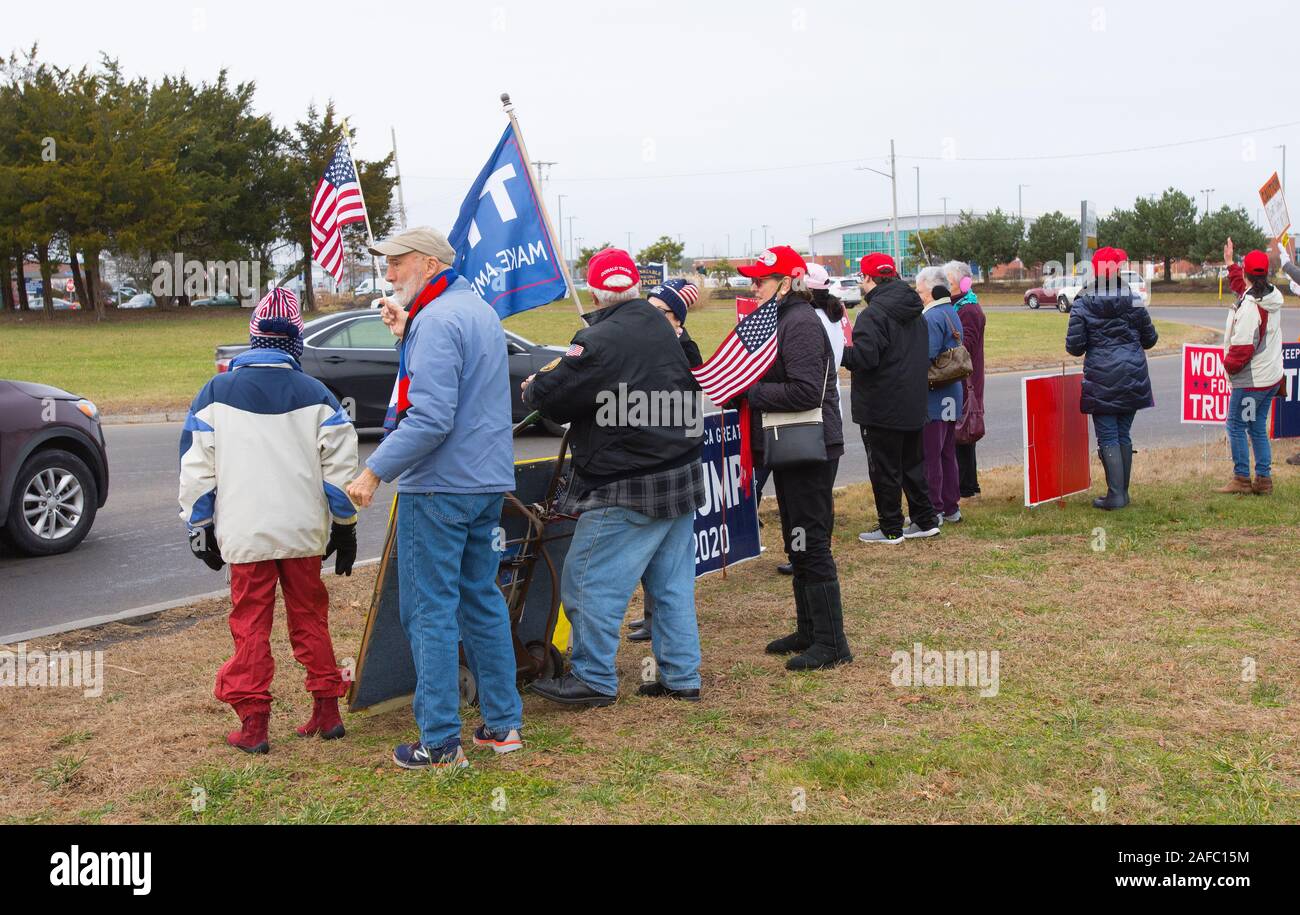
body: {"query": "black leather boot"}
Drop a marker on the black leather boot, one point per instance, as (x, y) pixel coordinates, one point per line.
(1113, 464)
(830, 648)
(802, 637)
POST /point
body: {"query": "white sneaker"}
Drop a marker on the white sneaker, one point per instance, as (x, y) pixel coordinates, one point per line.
(954, 518)
(878, 536)
(914, 532)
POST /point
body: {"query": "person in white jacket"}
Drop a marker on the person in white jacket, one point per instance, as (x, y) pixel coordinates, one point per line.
(264, 458)
(1252, 360)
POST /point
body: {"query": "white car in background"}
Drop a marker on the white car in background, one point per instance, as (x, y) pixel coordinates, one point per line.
(1138, 285)
(848, 289)
(139, 300)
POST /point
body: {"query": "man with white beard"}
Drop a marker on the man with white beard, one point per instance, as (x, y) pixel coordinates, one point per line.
(449, 447)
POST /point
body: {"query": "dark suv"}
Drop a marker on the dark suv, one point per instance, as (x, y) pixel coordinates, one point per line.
(53, 467)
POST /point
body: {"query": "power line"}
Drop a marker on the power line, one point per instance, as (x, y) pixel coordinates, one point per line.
(860, 159)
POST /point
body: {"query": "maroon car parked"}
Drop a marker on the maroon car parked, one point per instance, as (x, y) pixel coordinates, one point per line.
(53, 467)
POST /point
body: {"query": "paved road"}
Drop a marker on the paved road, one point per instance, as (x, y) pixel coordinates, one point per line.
(136, 554)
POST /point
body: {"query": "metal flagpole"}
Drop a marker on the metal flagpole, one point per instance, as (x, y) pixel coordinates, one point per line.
(532, 180)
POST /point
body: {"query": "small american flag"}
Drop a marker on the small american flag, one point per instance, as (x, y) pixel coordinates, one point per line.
(742, 358)
(337, 202)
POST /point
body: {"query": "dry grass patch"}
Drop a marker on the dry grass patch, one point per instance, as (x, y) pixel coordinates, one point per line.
(1121, 695)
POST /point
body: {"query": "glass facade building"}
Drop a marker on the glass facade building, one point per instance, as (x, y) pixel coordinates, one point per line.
(858, 245)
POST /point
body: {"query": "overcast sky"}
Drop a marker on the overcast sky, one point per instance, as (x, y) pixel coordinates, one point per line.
(702, 118)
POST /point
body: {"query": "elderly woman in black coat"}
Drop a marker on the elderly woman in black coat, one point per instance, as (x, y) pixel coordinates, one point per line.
(1112, 332)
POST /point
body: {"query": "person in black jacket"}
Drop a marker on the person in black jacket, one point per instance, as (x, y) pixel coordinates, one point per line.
(802, 377)
(1112, 334)
(672, 298)
(889, 362)
(636, 431)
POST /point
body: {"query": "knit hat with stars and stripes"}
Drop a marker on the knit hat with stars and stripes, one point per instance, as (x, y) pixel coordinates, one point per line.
(277, 323)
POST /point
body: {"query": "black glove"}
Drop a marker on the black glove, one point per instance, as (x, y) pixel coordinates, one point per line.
(203, 544)
(343, 537)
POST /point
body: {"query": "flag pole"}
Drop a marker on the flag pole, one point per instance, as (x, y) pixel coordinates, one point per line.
(541, 202)
(347, 136)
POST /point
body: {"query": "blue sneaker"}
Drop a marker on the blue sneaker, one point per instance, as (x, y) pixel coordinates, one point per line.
(500, 743)
(418, 756)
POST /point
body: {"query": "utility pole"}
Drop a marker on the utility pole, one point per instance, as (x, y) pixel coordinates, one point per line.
(560, 201)
(397, 169)
(812, 233)
(1020, 202)
(1207, 191)
(629, 242)
(751, 243)
(542, 168)
(892, 175)
(764, 238)
(945, 211)
(1283, 148)
(728, 246)
(918, 203)
(573, 252)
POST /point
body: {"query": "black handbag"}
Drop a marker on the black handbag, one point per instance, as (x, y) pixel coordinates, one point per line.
(794, 439)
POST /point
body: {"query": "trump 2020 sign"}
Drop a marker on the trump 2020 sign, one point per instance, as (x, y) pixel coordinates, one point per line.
(726, 521)
(503, 247)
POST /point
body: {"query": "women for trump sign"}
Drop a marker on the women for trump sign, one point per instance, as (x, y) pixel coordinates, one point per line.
(1205, 385)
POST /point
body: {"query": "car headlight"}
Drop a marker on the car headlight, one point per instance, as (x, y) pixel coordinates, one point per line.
(91, 411)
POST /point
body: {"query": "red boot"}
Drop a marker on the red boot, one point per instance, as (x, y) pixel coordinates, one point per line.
(251, 738)
(324, 720)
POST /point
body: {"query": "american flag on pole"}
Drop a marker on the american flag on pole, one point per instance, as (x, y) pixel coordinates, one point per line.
(337, 202)
(742, 358)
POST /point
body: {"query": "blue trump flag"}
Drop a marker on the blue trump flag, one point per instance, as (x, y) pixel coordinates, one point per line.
(502, 245)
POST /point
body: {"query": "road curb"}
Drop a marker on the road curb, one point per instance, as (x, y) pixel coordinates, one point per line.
(128, 419)
(125, 616)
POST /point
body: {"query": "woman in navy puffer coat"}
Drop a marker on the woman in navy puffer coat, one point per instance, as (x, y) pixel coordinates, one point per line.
(1112, 334)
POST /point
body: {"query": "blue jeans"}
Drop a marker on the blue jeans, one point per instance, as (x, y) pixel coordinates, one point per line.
(1248, 418)
(447, 568)
(1113, 428)
(612, 549)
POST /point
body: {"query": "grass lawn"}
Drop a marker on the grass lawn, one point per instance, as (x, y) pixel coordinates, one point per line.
(1149, 678)
(139, 363)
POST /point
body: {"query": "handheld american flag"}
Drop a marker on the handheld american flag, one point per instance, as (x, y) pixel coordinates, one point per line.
(336, 203)
(742, 358)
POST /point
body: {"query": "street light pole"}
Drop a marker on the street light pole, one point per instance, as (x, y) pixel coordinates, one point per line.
(1207, 191)
(1020, 202)
(945, 211)
(560, 201)
(812, 232)
(1283, 148)
(573, 252)
(892, 175)
(918, 203)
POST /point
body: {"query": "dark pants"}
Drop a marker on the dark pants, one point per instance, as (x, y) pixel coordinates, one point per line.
(897, 466)
(803, 496)
(968, 478)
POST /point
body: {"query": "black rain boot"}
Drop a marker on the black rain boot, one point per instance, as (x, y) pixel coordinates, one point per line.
(802, 637)
(1113, 464)
(830, 648)
(1126, 458)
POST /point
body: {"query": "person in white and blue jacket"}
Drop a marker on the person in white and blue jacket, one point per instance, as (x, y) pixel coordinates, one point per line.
(264, 458)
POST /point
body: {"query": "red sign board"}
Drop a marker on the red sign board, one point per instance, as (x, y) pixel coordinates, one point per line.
(1205, 385)
(1056, 438)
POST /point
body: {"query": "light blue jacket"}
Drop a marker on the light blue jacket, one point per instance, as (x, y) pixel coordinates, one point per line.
(456, 436)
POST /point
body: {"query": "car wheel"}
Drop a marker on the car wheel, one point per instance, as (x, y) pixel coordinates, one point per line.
(1033, 302)
(53, 505)
(1063, 304)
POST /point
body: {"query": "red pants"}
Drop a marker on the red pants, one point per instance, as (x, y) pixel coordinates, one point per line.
(245, 680)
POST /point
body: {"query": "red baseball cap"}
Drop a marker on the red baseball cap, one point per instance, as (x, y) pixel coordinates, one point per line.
(1106, 261)
(1255, 262)
(878, 264)
(779, 260)
(612, 270)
